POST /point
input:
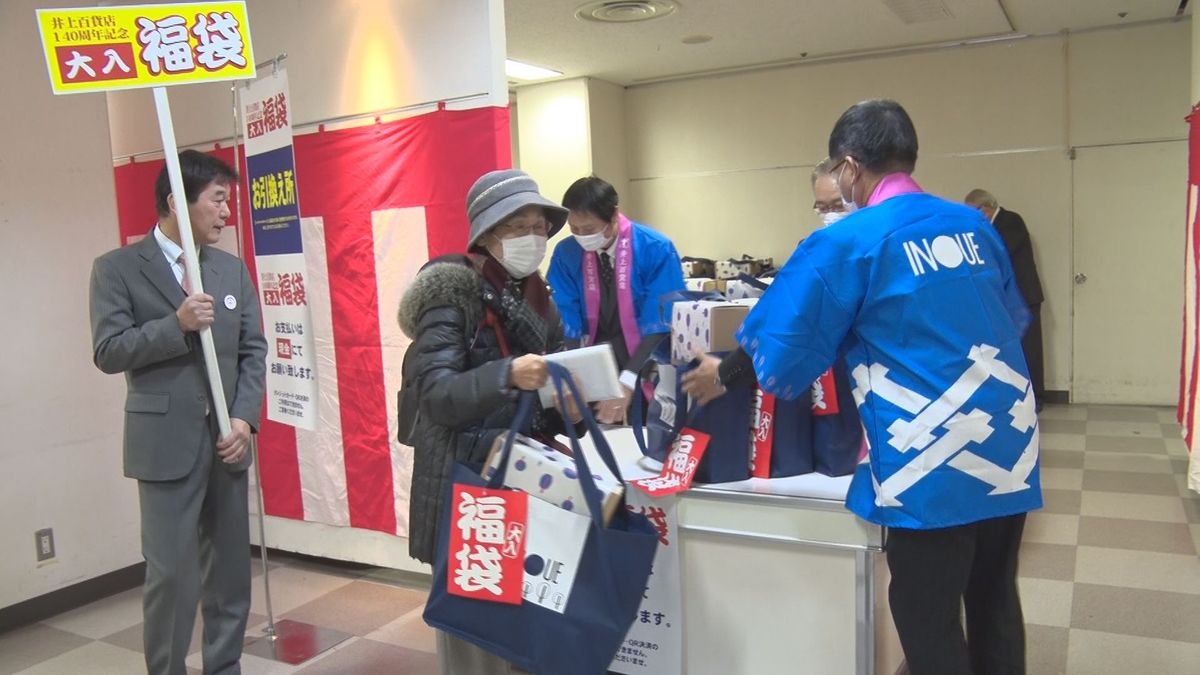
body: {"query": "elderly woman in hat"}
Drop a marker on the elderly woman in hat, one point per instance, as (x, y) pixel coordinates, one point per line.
(480, 325)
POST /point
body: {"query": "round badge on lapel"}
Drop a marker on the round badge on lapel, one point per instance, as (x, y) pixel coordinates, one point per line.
(230, 302)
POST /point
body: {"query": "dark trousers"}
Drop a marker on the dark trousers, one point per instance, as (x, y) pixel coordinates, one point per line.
(1031, 344)
(937, 572)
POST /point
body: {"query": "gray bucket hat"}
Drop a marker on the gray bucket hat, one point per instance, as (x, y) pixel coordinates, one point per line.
(499, 194)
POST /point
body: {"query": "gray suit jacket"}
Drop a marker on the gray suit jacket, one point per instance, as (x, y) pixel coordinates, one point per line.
(133, 300)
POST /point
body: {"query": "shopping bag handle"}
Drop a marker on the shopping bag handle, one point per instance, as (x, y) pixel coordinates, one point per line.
(523, 414)
(591, 494)
(751, 281)
(639, 421)
(667, 301)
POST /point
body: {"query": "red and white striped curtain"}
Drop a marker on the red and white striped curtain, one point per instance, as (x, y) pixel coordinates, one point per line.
(1189, 396)
(378, 202)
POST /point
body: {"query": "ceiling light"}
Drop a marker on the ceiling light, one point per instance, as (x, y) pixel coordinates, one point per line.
(525, 71)
(919, 11)
(625, 11)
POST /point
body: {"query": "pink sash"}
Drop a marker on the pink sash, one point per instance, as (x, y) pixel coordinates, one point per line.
(892, 185)
(623, 269)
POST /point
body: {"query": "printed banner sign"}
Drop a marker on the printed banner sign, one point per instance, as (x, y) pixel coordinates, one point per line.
(654, 644)
(135, 46)
(279, 252)
(680, 466)
(487, 544)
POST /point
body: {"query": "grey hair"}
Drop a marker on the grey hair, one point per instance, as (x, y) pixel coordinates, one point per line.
(981, 197)
(823, 168)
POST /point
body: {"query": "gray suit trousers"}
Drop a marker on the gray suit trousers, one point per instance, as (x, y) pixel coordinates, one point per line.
(195, 534)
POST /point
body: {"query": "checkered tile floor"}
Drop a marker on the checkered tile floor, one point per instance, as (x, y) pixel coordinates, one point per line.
(1110, 576)
(381, 609)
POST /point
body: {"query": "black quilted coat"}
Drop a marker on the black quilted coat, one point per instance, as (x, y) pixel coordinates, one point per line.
(465, 399)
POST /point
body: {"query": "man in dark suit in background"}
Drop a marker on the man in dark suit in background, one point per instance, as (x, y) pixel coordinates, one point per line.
(192, 485)
(1012, 230)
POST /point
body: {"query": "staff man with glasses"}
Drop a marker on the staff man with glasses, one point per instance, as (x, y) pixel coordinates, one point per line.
(917, 294)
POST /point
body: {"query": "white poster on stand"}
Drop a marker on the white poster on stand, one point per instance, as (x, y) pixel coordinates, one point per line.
(654, 644)
(279, 252)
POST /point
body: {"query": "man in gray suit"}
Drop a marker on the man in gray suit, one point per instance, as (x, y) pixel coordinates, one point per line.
(192, 485)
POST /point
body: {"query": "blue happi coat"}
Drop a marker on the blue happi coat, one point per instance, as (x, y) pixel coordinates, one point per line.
(656, 272)
(918, 294)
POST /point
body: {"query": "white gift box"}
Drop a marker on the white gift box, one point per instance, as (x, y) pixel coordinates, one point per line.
(543, 472)
(736, 289)
(727, 269)
(707, 325)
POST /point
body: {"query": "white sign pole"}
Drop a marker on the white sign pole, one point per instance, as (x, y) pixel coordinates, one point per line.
(189, 253)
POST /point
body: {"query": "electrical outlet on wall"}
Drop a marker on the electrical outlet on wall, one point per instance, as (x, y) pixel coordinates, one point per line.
(44, 542)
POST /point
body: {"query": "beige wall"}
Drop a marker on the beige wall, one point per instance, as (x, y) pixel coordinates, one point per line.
(552, 136)
(570, 129)
(555, 145)
(60, 461)
(606, 127)
(712, 160)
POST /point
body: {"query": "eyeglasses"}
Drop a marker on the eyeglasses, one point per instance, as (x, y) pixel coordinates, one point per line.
(523, 228)
(834, 169)
(822, 208)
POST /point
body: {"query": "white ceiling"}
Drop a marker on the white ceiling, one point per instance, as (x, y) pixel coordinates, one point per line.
(753, 32)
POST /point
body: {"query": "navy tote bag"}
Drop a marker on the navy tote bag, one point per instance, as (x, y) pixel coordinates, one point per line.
(725, 420)
(792, 440)
(837, 439)
(608, 587)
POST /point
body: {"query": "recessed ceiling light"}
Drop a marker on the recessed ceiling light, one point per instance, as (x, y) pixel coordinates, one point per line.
(696, 39)
(625, 11)
(525, 71)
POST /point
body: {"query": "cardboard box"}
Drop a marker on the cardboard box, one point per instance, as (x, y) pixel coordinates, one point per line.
(706, 285)
(543, 472)
(707, 325)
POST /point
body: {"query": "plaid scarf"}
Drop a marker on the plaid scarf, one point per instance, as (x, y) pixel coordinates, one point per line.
(521, 305)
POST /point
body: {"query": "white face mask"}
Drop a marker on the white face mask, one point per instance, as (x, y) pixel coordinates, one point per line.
(592, 242)
(833, 216)
(851, 207)
(523, 255)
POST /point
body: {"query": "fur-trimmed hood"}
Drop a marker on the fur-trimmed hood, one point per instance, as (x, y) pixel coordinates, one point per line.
(442, 284)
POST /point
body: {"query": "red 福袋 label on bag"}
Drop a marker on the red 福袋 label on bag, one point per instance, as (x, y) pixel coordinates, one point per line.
(762, 434)
(486, 558)
(680, 466)
(824, 395)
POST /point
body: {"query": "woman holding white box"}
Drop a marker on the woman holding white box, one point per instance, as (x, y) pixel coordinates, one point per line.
(481, 324)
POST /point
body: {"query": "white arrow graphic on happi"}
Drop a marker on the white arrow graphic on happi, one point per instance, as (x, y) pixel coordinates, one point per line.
(961, 429)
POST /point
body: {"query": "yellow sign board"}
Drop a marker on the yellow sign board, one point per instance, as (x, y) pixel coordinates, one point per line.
(134, 46)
